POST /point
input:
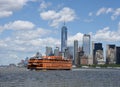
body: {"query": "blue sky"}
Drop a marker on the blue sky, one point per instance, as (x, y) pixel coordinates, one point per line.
(28, 26)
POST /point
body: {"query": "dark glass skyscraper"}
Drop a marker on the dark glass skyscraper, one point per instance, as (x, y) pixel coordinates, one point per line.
(97, 52)
(117, 55)
(63, 38)
(86, 44)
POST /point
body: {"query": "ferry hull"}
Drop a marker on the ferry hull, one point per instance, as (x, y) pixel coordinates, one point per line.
(50, 64)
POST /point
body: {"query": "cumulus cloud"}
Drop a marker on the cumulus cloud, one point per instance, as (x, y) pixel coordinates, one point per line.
(26, 40)
(17, 49)
(8, 6)
(78, 36)
(54, 17)
(17, 25)
(2, 44)
(106, 34)
(33, 33)
(5, 13)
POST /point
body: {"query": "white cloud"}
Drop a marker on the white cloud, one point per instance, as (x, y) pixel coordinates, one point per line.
(5, 13)
(14, 49)
(17, 25)
(49, 15)
(106, 34)
(32, 34)
(43, 42)
(78, 36)
(3, 44)
(24, 41)
(44, 5)
(104, 11)
(8, 6)
(54, 17)
(12, 4)
(116, 13)
(101, 11)
(109, 10)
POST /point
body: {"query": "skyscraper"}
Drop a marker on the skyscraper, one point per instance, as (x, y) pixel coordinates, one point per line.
(98, 57)
(56, 51)
(49, 51)
(71, 52)
(111, 54)
(86, 44)
(117, 55)
(63, 38)
(76, 52)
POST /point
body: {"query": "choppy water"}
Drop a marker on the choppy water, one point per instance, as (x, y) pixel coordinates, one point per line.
(20, 77)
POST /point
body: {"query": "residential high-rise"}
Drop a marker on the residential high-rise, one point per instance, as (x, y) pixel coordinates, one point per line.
(49, 51)
(98, 57)
(117, 55)
(63, 38)
(76, 52)
(111, 54)
(86, 44)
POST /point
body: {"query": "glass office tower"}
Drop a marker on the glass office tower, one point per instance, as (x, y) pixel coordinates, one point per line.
(86, 44)
(63, 38)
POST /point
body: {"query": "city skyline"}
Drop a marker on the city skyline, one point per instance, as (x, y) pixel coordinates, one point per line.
(28, 26)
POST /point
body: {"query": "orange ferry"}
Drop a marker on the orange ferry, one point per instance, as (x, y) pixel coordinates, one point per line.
(50, 63)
